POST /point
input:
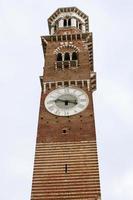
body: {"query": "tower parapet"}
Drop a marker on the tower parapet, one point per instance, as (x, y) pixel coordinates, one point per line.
(66, 19)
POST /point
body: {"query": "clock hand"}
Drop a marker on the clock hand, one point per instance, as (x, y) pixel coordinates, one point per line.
(69, 101)
(75, 102)
(60, 100)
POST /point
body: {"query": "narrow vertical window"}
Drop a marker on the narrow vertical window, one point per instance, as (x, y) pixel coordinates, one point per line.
(65, 22)
(74, 56)
(59, 57)
(80, 26)
(66, 168)
(56, 25)
(77, 23)
(69, 22)
(67, 56)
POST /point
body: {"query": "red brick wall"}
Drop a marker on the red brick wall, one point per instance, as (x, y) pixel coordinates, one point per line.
(76, 148)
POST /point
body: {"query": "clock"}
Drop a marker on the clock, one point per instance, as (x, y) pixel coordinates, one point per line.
(66, 101)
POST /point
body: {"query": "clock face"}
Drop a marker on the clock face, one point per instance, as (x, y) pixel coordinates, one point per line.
(66, 101)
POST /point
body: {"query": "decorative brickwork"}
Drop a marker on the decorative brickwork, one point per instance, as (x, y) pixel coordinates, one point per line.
(66, 171)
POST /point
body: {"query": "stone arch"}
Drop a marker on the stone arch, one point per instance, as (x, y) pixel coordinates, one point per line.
(71, 46)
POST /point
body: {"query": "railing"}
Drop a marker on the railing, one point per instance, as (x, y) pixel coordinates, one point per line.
(66, 64)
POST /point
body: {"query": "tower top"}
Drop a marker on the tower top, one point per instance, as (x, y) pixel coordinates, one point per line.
(68, 17)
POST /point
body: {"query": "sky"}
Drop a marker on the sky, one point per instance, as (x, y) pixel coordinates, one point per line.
(21, 63)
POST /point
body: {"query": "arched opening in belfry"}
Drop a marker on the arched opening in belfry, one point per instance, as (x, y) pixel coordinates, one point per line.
(55, 27)
(69, 22)
(65, 22)
(59, 57)
(74, 56)
(80, 26)
(66, 56)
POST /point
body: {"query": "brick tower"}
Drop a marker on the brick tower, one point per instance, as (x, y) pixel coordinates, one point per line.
(66, 164)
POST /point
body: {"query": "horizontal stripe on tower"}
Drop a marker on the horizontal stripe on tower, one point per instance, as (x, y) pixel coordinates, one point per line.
(65, 170)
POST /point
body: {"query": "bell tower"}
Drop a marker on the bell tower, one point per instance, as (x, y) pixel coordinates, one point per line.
(66, 163)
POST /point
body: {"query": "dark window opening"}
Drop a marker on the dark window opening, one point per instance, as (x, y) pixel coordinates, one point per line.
(59, 38)
(64, 131)
(69, 22)
(66, 83)
(55, 27)
(69, 37)
(78, 36)
(80, 26)
(64, 37)
(66, 168)
(74, 56)
(59, 57)
(73, 37)
(67, 56)
(65, 22)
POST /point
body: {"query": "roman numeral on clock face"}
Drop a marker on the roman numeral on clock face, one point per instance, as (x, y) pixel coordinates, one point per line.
(50, 102)
(66, 90)
(81, 105)
(52, 97)
(66, 113)
(51, 108)
(57, 112)
(82, 100)
(80, 95)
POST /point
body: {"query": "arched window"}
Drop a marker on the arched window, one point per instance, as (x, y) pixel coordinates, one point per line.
(74, 56)
(67, 56)
(69, 22)
(55, 27)
(80, 26)
(59, 57)
(65, 22)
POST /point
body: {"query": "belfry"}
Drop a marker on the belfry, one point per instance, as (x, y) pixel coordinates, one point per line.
(66, 162)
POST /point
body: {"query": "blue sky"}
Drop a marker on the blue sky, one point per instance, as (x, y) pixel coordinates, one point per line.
(22, 23)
